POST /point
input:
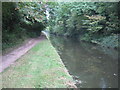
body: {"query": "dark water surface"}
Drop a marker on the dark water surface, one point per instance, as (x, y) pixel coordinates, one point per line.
(91, 66)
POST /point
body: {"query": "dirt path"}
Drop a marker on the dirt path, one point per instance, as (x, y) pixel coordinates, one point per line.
(12, 56)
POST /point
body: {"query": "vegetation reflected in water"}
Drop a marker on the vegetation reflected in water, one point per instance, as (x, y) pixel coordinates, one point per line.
(90, 65)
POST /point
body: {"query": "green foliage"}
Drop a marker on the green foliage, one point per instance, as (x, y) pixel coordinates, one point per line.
(32, 11)
(10, 16)
(70, 16)
(21, 20)
(88, 20)
(110, 41)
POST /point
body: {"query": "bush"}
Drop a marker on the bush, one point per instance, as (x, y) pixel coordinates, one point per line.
(20, 23)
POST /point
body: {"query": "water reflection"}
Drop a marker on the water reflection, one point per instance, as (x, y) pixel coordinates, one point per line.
(90, 65)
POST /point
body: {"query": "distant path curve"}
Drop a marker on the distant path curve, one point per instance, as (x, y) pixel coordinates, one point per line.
(11, 57)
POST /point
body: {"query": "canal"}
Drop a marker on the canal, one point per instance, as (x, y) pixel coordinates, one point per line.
(90, 65)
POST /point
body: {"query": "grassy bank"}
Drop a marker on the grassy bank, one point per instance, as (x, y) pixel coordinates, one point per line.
(41, 67)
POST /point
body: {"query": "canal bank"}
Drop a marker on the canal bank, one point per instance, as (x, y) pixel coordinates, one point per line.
(91, 65)
(40, 67)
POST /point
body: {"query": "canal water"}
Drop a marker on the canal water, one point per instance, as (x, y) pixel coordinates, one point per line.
(90, 65)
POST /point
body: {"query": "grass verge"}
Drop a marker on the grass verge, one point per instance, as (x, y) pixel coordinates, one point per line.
(41, 67)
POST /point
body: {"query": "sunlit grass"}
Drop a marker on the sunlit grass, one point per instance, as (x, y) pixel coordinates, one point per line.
(41, 67)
